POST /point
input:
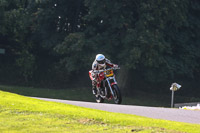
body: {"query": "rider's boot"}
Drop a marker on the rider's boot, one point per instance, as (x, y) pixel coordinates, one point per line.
(102, 91)
(94, 90)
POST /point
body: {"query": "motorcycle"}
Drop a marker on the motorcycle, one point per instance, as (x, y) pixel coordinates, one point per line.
(107, 87)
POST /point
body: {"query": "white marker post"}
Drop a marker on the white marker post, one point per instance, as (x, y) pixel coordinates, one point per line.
(174, 87)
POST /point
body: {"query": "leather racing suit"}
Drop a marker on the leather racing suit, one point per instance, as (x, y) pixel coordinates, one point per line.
(96, 66)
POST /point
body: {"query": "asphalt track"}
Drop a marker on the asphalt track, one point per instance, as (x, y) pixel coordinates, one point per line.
(179, 115)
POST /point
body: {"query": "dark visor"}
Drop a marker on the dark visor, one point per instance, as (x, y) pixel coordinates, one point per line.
(101, 62)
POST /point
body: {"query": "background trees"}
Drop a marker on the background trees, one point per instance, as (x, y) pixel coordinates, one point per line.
(49, 43)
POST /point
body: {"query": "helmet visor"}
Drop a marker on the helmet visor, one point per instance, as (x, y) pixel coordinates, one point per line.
(101, 62)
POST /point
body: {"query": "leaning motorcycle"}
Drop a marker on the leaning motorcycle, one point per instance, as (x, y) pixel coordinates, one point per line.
(107, 87)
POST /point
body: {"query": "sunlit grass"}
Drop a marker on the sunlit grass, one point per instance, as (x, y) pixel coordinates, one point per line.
(24, 114)
(85, 94)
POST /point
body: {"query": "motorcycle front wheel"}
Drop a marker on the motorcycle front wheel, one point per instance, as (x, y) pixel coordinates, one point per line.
(99, 99)
(117, 94)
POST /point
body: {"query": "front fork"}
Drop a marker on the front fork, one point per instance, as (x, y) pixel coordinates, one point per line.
(110, 85)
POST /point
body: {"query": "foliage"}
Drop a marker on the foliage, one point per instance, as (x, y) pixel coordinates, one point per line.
(150, 35)
(159, 39)
(15, 37)
(26, 62)
(54, 20)
(73, 50)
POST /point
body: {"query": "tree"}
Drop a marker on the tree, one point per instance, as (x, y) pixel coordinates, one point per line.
(14, 37)
(151, 37)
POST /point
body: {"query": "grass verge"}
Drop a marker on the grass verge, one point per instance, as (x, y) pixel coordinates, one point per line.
(24, 114)
(85, 94)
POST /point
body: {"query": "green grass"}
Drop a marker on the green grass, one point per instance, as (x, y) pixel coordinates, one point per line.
(23, 114)
(85, 94)
(82, 94)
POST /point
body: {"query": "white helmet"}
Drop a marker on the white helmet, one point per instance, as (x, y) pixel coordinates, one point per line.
(100, 58)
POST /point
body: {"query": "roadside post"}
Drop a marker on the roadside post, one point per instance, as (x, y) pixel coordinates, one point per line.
(174, 87)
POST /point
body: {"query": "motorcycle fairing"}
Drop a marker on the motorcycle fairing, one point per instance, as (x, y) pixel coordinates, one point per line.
(90, 75)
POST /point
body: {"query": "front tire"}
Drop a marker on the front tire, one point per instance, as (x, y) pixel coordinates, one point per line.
(117, 94)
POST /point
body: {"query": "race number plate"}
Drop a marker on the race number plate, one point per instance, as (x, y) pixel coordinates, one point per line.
(109, 73)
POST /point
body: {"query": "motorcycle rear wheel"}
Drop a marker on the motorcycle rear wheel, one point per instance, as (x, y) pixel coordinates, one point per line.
(99, 99)
(117, 94)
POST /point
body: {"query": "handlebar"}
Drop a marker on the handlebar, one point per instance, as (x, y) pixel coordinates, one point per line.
(112, 68)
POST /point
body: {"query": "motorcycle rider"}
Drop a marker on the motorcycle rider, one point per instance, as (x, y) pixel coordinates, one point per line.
(99, 63)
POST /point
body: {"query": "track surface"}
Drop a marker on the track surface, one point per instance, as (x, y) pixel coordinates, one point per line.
(178, 115)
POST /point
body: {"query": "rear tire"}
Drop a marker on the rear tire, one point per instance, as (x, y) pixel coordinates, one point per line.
(117, 94)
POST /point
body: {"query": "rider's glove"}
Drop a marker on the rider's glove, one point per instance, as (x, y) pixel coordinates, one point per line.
(115, 66)
(96, 71)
